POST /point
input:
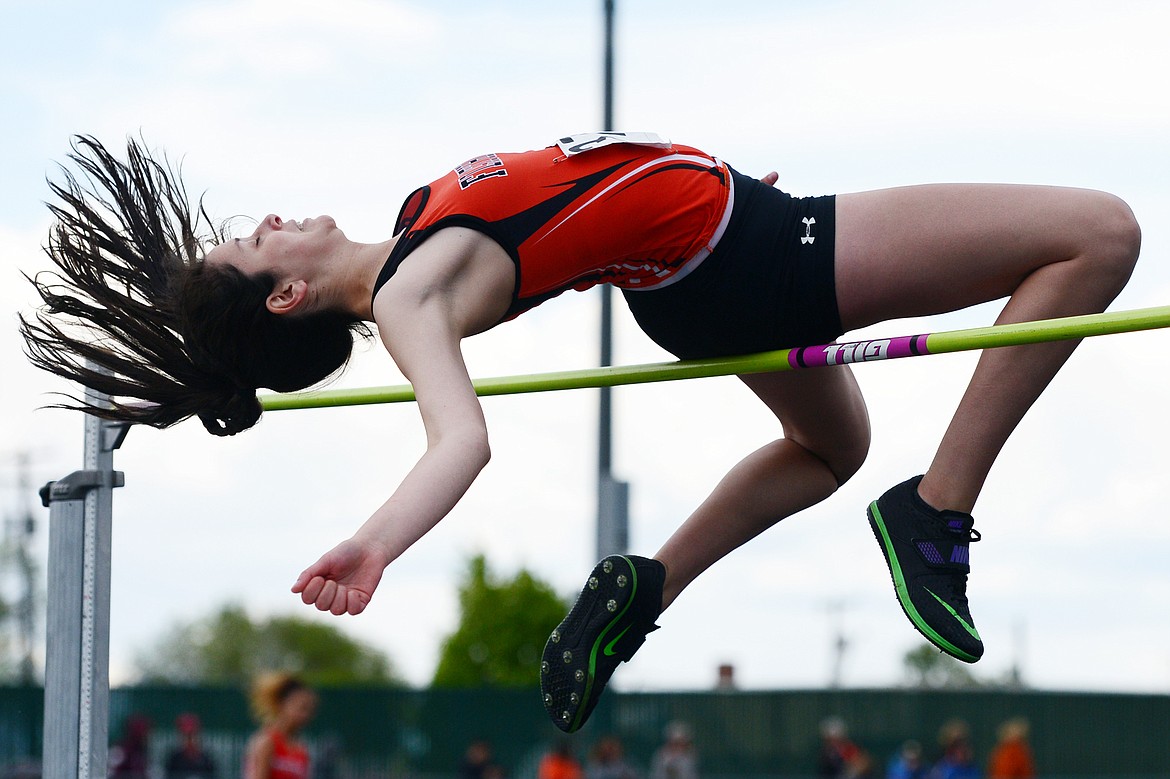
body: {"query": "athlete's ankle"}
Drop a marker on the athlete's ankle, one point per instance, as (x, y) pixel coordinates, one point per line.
(942, 494)
(671, 586)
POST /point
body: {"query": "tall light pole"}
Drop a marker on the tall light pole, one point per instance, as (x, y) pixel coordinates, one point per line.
(613, 496)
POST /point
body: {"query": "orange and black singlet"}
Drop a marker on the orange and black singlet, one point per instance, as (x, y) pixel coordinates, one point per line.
(637, 217)
(711, 262)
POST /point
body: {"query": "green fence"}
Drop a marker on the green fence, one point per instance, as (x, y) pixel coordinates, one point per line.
(393, 732)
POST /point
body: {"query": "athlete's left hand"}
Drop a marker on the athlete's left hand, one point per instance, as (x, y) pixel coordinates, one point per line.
(771, 179)
(344, 579)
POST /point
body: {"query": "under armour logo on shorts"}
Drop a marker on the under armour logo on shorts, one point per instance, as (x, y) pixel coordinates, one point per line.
(808, 237)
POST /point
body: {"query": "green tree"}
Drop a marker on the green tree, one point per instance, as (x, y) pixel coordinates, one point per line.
(929, 668)
(502, 629)
(230, 648)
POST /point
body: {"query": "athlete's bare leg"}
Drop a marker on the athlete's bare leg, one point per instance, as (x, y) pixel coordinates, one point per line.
(917, 250)
(910, 252)
(826, 438)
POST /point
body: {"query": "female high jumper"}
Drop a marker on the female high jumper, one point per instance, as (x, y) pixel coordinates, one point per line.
(188, 322)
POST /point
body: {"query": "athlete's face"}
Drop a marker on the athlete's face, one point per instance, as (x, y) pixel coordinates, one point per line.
(283, 248)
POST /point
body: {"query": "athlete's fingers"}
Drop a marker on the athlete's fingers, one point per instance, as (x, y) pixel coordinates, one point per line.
(328, 593)
(312, 590)
(771, 179)
(302, 580)
(340, 602)
(357, 602)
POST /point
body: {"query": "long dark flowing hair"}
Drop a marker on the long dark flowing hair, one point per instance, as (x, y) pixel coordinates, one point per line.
(134, 313)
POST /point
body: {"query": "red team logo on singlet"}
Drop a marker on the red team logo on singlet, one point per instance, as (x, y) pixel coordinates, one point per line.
(485, 166)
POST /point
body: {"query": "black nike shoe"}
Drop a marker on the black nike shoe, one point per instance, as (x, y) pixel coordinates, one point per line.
(606, 626)
(929, 559)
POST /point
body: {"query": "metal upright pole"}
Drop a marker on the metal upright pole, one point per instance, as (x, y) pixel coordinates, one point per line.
(605, 444)
(613, 496)
(77, 654)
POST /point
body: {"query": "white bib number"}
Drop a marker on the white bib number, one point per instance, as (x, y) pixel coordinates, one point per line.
(583, 142)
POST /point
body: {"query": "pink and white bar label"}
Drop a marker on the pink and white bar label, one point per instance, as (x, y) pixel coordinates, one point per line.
(858, 351)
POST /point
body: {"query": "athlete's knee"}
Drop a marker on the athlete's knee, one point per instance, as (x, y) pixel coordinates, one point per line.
(847, 442)
(1116, 240)
(846, 452)
(852, 456)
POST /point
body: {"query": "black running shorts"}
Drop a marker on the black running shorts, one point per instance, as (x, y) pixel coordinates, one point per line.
(767, 285)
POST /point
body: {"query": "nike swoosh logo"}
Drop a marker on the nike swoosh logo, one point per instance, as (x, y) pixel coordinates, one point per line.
(609, 647)
(969, 628)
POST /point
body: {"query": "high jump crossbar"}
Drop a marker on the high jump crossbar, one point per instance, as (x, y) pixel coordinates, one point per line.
(871, 350)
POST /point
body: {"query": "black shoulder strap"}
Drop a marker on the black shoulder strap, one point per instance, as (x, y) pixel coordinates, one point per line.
(412, 207)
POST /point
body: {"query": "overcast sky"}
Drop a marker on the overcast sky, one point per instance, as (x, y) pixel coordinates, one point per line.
(301, 108)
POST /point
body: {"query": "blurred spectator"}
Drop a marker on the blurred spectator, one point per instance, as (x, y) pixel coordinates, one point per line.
(478, 762)
(560, 763)
(839, 757)
(189, 760)
(907, 764)
(958, 758)
(284, 705)
(1012, 757)
(607, 761)
(130, 758)
(676, 758)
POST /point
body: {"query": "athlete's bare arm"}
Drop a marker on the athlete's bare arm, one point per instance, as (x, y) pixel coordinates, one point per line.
(456, 284)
